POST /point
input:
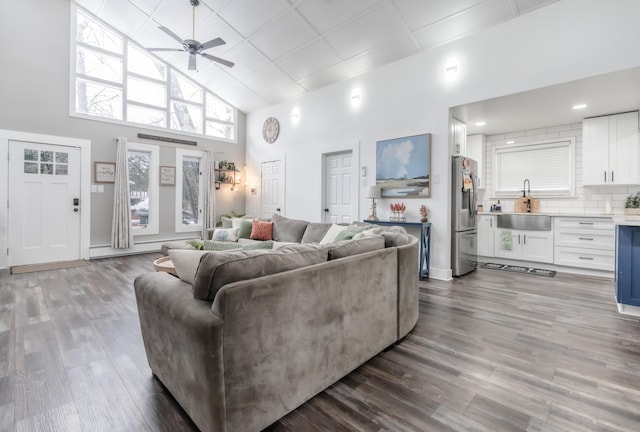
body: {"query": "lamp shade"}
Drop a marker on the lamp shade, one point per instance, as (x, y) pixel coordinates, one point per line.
(374, 192)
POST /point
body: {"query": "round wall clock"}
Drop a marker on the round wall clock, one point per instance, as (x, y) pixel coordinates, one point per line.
(270, 129)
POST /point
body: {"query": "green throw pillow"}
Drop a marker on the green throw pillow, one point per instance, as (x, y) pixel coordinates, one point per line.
(351, 231)
(245, 228)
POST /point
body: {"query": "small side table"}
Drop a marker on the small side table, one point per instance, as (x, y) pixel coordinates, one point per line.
(425, 241)
(165, 264)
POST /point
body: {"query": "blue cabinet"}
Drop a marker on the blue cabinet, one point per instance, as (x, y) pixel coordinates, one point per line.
(628, 265)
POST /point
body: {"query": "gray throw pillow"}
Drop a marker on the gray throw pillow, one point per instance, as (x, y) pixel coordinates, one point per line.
(288, 230)
(315, 232)
(354, 247)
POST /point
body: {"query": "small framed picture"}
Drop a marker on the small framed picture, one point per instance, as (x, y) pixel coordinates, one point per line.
(167, 176)
(104, 172)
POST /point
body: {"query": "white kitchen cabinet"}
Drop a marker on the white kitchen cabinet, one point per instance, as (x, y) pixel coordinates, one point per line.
(584, 242)
(524, 245)
(476, 150)
(459, 137)
(610, 150)
(486, 227)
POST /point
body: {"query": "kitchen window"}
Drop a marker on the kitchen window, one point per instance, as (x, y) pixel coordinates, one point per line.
(549, 166)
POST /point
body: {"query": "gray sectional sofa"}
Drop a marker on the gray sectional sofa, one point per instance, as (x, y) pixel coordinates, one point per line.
(259, 332)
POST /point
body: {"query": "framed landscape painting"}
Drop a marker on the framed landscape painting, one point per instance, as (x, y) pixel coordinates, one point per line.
(403, 167)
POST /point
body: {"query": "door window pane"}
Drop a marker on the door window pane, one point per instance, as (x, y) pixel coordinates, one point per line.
(31, 168)
(62, 157)
(46, 168)
(62, 169)
(30, 155)
(139, 187)
(190, 190)
(46, 156)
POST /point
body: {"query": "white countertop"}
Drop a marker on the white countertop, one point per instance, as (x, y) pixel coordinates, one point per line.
(590, 215)
(626, 220)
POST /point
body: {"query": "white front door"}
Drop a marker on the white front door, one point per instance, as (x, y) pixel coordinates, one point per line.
(338, 187)
(44, 218)
(272, 188)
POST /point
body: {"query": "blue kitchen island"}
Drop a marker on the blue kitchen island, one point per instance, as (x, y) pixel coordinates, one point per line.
(627, 275)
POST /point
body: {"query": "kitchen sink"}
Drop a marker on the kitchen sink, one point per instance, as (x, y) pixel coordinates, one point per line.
(525, 222)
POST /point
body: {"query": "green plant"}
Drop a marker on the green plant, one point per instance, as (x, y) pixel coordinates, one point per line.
(196, 244)
(633, 201)
(223, 164)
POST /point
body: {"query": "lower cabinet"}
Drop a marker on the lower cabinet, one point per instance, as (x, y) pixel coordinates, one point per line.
(486, 226)
(628, 274)
(584, 242)
(524, 245)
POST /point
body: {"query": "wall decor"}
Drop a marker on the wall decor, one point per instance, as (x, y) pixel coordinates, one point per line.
(403, 166)
(167, 176)
(104, 172)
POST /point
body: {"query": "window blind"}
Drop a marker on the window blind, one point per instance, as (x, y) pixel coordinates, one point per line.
(549, 166)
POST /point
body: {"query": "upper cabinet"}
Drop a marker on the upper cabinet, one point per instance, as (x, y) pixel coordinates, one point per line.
(610, 150)
(476, 150)
(459, 137)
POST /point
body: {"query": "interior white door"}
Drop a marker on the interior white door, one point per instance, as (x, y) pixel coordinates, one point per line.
(338, 187)
(44, 218)
(272, 188)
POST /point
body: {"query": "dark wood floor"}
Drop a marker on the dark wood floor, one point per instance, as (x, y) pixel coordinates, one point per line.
(492, 351)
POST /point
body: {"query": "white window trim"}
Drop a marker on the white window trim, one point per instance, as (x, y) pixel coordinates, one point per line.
(126, 40)
(180, 154)
(153, 225)
(558, 142)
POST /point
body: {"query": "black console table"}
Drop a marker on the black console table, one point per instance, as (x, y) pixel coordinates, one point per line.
(425, 241)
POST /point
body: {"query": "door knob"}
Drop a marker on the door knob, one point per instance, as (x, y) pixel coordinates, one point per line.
(278, 209)
(326, 210)
(76, 209)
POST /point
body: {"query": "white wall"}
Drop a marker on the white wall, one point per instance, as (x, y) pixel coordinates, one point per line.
(34, 97)
(568, 40)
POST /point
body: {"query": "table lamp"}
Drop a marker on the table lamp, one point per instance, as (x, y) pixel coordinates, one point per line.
(373, 193)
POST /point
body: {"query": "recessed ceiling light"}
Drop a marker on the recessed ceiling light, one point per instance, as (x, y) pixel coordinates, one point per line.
(579, 106)
(510, 142)
(480, 123)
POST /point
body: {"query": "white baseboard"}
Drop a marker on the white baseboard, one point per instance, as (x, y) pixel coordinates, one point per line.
(138, 248)
(440, 274)
(628, 309)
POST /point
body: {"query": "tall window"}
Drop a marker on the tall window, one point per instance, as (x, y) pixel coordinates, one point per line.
(118, 81)
(549, 166)
(143, 182)
(188, 190)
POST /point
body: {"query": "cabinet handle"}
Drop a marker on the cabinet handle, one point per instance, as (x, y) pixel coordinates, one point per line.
(491, 223)
(584, 238)
(605, 176)
(586, 258)
(518, 238)
(525, 238)
(585, 223)
(611, 176)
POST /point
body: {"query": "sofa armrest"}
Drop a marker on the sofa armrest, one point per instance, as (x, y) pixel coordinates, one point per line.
(408, 291)
(183, 341)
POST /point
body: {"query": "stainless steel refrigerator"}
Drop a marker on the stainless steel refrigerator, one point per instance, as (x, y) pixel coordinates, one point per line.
(464, 247)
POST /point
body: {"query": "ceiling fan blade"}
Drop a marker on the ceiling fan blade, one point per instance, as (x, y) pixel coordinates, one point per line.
(212, 43)
(164, 49)
(192, 62)
(217, 59)
(172, 34)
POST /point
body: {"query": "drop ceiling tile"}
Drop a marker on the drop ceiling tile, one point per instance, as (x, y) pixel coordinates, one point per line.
(529, 5)
(325, 15)
(276, 95)
(146, 6)
(177, 17)
(213, 77)
(247, 16)
(483, 15)
(216, 27)
(247, 58)
(380, 26)
(379, 56)
(306, 60)
(419, 13)
(123, 16)
(216, 5)
(326, 77)
(92, 6)
(269, 76)
(283, 35)
(242, 98)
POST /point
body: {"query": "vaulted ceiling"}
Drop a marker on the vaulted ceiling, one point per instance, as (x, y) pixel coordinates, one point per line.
(285, 48)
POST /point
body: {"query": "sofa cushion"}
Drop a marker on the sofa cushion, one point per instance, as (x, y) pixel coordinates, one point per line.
(347, 248)
(288, 230)
(393, 235)
(219, 269)
(351, 231)
(261, 230)
(314, 232)
(244, 232)
(300, 247)
(186, 263)
(212, 245)
(332, 233)
(176, 244)
(225, 234)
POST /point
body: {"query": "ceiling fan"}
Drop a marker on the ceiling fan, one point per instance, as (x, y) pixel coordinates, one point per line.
(194, 47)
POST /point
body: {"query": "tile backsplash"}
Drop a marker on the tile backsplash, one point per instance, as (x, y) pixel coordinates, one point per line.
(588, 199)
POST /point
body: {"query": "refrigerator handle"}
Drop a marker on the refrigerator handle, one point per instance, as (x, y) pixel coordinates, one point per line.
(472, 197)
